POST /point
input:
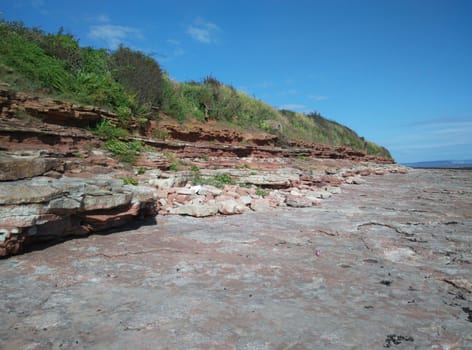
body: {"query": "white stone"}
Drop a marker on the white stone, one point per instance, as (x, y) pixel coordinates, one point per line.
(162, 183)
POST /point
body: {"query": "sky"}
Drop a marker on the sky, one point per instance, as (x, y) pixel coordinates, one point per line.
(397, 72)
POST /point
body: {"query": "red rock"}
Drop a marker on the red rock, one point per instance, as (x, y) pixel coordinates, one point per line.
(182, 198)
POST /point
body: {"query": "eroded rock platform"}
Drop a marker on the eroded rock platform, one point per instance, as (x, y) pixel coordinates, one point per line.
(386, 264)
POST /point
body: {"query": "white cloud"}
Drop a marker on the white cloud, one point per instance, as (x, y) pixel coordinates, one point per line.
(113, 35)
(289, 92)
(173, 42)
(204, 31)
(318, 97)
(171, 49)
(434, 139)
(103, 18)
(178, 52)
(39, 6)
(441, 121)
(265, 85)
(293, 107)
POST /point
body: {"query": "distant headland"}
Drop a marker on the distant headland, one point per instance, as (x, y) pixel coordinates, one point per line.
(442, 164)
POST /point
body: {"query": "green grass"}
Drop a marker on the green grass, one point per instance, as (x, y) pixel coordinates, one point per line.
(130, 83)
(125, 151)
(261, 192)
(107, 130)
(127, 180)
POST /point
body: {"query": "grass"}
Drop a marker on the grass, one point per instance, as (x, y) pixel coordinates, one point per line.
(131, 84)
(128, 180)
(261, 192)
(218, 181)
(160, 134)
(107, 130)
(125, 151)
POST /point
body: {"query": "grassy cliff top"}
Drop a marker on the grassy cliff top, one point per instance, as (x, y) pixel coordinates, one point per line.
(132, 85)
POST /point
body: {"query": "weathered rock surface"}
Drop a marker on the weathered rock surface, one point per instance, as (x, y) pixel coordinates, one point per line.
(362, 271)
(286, 186)
(50, 110)
(40, 136)
(43, 208)
(14, 166)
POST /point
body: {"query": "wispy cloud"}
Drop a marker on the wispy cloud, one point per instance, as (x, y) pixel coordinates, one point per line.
(289, 92)
(434, 139)
(264, 85)
(293, 107)
(171, 49)
(318, 97)
(176, 48)
(113, 35)
(173, 42)
(203, 31)
(40, 6)
(440, 121)
(101, 18)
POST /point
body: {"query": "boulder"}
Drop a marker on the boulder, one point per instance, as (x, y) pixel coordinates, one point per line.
(44, 208)
(162, 183)
(281, 179)
(355, 180)
(260, 204)
(321, 194)
(209, 190)
(246, 200)
(188, 190)
(231, 207)
(333, 189)
(26, 164)
(196, 210)
(298, 201)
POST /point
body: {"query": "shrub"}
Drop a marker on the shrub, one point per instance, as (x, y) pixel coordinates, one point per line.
(261, 192)
(174, 166)
(140, 73)
(107, 130)
(29, 59)
(160, 134)
(125, 151)
(128, 180)
(141, 170)
(220, 180)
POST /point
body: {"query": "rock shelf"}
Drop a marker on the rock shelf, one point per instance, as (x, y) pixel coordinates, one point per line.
(384, 264)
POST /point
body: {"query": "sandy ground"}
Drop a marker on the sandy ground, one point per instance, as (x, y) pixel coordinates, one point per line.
(387, 264)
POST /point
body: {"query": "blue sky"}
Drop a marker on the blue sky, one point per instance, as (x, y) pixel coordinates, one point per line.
(397, 72)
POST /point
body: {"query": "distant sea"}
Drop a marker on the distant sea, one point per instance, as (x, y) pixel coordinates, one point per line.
(442, 164)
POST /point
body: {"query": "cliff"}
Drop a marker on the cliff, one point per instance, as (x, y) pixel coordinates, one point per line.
(61, 177)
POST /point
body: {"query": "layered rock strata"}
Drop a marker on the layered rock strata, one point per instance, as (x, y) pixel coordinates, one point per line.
(57, 180)
(43, 208)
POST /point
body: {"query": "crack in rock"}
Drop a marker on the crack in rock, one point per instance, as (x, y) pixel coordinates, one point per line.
(396, 229)
(141, 252)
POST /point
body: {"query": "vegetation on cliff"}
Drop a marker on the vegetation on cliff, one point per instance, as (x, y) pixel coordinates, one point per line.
(133, 85)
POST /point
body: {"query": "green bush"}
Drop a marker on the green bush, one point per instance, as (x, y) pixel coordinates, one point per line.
(140, 73)
(128, 180)
(160, 134)
(107, 130)
(27, 58)
(219, 180)
(261, 192)
(130, 83)
(141, 170)
(125, 151)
